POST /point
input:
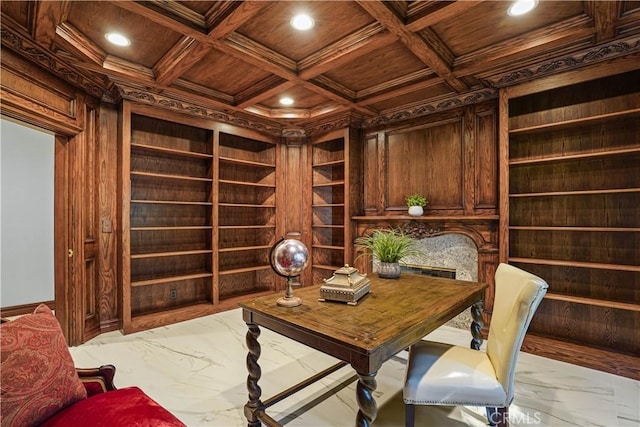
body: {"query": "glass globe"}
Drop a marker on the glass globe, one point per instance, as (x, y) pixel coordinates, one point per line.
(289, 257)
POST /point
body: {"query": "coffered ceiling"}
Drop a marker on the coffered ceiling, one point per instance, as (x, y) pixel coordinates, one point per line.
(371, 60)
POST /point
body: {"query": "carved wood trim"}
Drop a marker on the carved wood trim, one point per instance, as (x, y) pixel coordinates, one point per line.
(23, 45)
(170, 103)
(602, 52)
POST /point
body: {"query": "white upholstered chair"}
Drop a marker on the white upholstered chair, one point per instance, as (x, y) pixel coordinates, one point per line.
(442, 374)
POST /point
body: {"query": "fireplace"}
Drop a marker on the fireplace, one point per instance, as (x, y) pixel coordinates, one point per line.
(467, 245)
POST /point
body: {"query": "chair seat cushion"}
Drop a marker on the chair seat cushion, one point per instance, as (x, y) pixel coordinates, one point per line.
(442, 374)
(129, 407)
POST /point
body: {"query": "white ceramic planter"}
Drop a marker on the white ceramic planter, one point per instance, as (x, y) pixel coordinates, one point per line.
(416, 210)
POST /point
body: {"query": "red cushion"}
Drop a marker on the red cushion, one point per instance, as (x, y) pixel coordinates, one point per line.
(126, 407)
(38, 374)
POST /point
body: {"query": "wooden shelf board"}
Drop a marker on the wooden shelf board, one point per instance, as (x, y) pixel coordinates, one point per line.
(576, 193)
(579, 115)
(246, 183)
(169, 279)
(593, 301)
(426, 217)
(578, 229)
(327, 226)
(172, 151)
(167, 176)
(185, 227)
(595, 358)
(326, 267)
(239, 227)
(244, 248)
(328, 205)
(337, 248)
(595, 154)
(235, 161)
(328, 184)
(595, 265)
(244, 205)
(170, 202)
(173, 253)
(244, 270)
(331, 163)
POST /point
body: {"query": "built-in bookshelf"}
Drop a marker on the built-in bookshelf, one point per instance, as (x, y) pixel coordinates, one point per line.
(335, 166)
(574, 208)
(167, 221)
(198, 217)
(246, 215)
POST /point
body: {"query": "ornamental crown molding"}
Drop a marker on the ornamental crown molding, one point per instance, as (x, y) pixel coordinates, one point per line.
(169, 103)
(602, 52)
(22, 44)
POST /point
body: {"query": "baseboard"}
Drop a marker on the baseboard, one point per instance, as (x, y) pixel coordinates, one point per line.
(612, 362)
(20, 310)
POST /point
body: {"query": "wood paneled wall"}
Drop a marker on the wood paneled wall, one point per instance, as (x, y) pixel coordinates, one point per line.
(450, 157)
(85, 164)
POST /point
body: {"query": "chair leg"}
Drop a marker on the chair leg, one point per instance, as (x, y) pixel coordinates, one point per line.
(498, 417)
(409, 415)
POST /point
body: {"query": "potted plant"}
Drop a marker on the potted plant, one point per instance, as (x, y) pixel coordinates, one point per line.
(389, 246)
(416, 203)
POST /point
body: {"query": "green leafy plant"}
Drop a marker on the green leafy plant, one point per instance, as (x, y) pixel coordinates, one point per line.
(387, 245)
(416, 199)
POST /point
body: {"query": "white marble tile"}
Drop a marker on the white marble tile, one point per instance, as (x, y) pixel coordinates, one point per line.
(627, 397)
(197, 370)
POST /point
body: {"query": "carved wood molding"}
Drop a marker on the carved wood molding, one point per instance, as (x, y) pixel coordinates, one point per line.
(483, 232)
(422, 109)
(170, 103)
(23, 45)
(602, 52)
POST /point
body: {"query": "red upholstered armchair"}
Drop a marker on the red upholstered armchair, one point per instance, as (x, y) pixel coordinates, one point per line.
(39, 384)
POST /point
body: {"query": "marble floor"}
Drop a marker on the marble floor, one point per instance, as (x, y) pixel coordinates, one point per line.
(196, 369)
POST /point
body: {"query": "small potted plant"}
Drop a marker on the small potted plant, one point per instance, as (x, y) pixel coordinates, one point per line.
(389, 246)
(416, 202)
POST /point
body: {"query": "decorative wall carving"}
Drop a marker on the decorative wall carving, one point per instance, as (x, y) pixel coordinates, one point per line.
(23, 45)
(166, 102)
(422, 109)
(587, 57)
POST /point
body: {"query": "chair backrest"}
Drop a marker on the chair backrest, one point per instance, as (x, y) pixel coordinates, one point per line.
(517, 296)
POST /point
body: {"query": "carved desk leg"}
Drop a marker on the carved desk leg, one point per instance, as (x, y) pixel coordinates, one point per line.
(364, 394)
(254, 405)
(476, 325)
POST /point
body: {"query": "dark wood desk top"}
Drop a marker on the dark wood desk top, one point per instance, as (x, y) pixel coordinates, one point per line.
(394, 315)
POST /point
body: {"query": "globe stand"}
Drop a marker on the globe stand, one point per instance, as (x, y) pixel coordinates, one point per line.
(288, 300)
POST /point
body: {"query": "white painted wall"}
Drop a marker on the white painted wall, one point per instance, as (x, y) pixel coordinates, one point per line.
(26, 215)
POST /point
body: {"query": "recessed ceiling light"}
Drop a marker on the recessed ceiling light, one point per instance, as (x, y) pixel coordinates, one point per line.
(302, 22)
(286, 101)
(520, 7)
(117, 39)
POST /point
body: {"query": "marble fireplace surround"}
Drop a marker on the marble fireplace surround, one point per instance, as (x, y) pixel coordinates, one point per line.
(468, 244)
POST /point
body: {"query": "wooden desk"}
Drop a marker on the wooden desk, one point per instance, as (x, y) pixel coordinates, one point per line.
(394, 315)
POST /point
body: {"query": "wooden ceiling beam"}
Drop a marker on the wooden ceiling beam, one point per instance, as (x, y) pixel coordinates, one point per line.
(225, 17)
(444, 10)
(574, 28)
(365, 40)
(269, 87)
(605, 16)
(420, 48)
(80, 45)
(253, 53)
(162, 19)
(403, 90)
(45, 18)
(182, 56)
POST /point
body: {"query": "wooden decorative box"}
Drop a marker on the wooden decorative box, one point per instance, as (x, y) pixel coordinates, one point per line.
(346, 285)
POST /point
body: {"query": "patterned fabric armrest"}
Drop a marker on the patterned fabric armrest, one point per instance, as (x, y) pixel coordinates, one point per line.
(97, 380)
